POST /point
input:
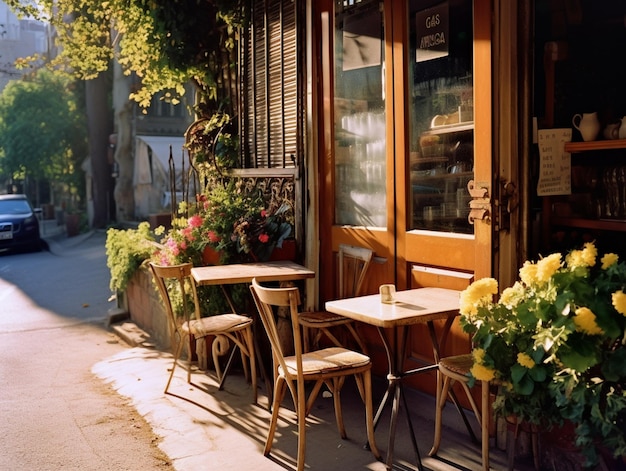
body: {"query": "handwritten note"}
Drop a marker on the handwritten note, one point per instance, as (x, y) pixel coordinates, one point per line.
(555, 165)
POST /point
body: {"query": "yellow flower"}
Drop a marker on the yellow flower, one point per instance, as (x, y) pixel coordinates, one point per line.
(528, 273)
(608, 260)
(589, 254)
(482, 372)
(547, 266)
(575, 259)
(585, 321)
(512, 295)
(477, 294)
(478, 354)
(619, 302)
(525, 360)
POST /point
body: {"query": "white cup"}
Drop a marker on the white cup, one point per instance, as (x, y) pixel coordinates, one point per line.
(387, 293)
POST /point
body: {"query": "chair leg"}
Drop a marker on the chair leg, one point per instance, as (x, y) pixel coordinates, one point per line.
(353, 329)
(249, 342)
(301, 417)
(443, 385)
(219, 347)
(484, 424)
(337, 385)
(177, 352)
(279, 392)
(366, 377)
(332, 338)
(306, 337)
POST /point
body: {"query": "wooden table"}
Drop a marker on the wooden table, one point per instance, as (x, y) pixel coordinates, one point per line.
(235, 273)
(416, 306)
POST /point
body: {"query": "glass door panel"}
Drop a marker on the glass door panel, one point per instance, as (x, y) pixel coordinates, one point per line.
(359, 144)
(441, 114)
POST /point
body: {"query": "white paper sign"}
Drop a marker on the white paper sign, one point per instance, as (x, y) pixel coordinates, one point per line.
(555, 165)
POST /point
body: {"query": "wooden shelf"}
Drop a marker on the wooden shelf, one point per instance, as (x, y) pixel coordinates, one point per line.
(450, 128)
(598, 224)
(574, 147)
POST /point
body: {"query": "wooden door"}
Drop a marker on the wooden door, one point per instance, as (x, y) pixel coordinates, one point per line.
(406, 142)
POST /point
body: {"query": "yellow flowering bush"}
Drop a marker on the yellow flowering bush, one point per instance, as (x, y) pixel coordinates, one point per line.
(555, 343)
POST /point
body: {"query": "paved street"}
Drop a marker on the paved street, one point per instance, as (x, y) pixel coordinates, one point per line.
(54, 412)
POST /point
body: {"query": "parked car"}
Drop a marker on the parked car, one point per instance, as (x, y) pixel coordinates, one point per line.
(19, 226)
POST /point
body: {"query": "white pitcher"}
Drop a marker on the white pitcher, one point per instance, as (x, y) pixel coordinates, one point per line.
(622, 129)
(588, 125)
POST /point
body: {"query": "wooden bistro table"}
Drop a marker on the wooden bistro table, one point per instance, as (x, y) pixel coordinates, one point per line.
(415, 306)
(222, 275)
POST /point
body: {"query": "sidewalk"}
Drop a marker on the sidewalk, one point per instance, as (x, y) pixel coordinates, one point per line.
(204, 428)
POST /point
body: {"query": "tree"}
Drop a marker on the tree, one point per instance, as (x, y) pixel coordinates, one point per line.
(166, 44)
(42, 132)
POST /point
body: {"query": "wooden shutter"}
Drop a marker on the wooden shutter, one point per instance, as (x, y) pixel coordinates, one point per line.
(271, 112)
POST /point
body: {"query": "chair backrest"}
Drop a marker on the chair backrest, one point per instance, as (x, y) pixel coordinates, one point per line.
(176, 278)
(265, 299)
(353, 264)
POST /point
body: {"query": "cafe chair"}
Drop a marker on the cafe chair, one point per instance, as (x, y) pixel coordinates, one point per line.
(353, 263)
(329, 366)
(225, 328)
(456, 369)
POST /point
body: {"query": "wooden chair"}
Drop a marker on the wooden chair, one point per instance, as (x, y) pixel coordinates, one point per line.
(353, 264)
(225, 328)
(456, 369)
(328, 366)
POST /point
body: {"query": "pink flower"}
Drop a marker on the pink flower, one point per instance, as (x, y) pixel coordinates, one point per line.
(263, 238)
(187, 233)
(195, 221)
(263, 213)
(213, 237)
(183, 245)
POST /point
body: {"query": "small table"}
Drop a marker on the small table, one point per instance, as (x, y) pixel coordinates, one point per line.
(415, 306)
(236, 273)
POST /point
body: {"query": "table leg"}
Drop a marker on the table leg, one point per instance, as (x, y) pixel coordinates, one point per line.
(396, 351)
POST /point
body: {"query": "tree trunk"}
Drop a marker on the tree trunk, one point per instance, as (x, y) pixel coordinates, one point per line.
(123, 108)
(100, 126)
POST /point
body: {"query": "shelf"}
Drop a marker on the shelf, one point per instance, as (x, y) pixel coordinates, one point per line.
(450, 128)
(574, 147)
(598, 224)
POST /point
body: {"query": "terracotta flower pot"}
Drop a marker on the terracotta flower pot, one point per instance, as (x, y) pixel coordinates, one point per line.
(210, 256)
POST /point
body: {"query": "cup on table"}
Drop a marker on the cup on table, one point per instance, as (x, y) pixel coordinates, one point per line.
(387, 293)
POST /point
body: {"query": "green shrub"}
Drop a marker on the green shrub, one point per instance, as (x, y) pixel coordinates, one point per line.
(126, 250)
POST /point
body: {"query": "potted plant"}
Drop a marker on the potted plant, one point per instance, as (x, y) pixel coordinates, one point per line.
(555, 342)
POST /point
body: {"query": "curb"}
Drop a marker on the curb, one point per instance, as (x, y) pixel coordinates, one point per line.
(119, 322)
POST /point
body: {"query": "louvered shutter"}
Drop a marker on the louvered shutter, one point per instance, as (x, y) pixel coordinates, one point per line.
(271, 118)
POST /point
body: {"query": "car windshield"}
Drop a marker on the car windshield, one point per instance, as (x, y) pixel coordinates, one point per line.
(14, 207)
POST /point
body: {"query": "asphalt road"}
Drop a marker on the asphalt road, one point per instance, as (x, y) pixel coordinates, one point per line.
(54, 412)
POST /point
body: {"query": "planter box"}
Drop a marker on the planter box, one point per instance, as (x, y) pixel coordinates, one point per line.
(146, 308)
